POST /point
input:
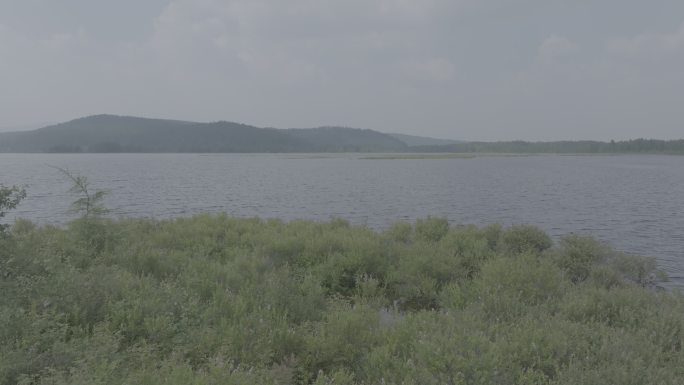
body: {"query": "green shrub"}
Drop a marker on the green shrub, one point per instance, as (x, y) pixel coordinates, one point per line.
(636, 269)
(10, 197)
(453, 297)
(470, 247)
(507, 286)
(415, 283)
(538, 349)
(431, 229)
(301, 298)
(492, 234)
(520, 239)
(339, 377)
(605, 277)
(578, 254)
(625, 307)
(400, 232)
(365, 256)
(214, 300)
(342, 339)
(434, 348)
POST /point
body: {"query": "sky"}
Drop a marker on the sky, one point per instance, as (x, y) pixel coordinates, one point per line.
(458, 69)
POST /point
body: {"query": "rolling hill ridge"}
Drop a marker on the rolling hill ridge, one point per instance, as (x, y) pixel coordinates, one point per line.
(110, 133)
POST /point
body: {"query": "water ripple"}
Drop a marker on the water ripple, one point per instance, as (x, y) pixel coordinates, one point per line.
(635, 203)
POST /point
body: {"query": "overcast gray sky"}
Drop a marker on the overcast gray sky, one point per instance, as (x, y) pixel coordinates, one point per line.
(461, 69)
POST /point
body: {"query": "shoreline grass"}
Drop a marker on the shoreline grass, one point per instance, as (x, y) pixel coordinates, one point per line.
(218, 300)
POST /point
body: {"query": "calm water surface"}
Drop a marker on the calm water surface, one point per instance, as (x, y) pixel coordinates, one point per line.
(635, 203)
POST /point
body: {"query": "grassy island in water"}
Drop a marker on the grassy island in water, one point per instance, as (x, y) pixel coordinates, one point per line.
(219, 300)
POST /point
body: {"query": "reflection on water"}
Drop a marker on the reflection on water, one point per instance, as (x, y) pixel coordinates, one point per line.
(635, 203)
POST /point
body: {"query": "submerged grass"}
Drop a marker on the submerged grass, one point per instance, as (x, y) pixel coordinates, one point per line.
(219, 300)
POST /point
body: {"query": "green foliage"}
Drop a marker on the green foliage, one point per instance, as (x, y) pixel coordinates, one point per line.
(509, 286)
(400, 232)
(10, 197)
(220, 300)
(578, 254)
(90, 203)
(524, 238)
(431, 229)
(342, 339)
(90, 228)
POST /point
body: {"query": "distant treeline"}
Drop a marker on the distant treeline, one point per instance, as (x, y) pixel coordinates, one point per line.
(641, 146)
(645, 146)
(114, 134)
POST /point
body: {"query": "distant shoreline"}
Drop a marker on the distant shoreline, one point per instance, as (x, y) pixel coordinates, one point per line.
(129, 135)
(373, 155)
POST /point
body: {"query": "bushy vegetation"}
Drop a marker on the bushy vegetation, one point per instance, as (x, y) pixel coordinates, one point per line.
(10, 197)
(219, 300)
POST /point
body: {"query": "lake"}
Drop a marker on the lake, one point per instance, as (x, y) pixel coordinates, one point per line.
(633, 202)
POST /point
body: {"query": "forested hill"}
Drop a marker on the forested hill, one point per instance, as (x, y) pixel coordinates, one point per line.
(412, 140)
(348, 139)
(635, 146)
(108, 133)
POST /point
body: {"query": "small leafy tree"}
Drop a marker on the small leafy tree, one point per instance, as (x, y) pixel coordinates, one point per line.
(10, 197)
(90, 229)
(90, 204)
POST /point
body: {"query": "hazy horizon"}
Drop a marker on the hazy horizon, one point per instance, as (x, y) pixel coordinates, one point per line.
(465, 70)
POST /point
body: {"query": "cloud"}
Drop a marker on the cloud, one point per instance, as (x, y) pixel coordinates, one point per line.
(449, 66)
(302, 39)
(433, 69)
(648, 62)
(653, 45)
(555, 48)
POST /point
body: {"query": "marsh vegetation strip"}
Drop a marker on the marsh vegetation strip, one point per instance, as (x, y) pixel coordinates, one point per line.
(636, 203)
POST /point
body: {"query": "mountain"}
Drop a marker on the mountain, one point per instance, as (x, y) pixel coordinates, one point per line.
(412, 140)
(25, 127)
(110, 133)
(348, 139)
